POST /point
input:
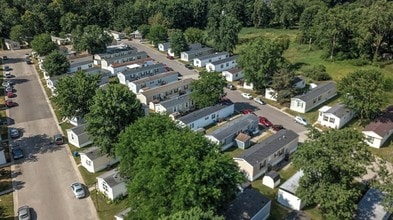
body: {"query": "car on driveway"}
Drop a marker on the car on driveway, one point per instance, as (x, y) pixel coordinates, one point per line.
(24, 213)
(14, 133)
(231, 87)
(264, 121)
(189, 66)
(9, 103)
(10, 94)
(58, 139)
(7, 74)
(277, 127)
(78, 190)
(17, 153)
(9, 88)
(170, 57)
(247, 95)
(259, 101)
(301, 120)
(247, 111)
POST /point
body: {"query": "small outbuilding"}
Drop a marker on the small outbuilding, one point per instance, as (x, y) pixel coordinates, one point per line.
(2, 156)
(271, 179)
(243, 140)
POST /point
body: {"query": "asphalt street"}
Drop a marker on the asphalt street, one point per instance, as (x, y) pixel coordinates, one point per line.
(274, 115)
(42, 179)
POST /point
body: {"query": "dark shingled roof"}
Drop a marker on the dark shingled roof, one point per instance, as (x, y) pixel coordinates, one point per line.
(234, 70)
(205, 57)
(319, 90)
(228, 59)
(246, 205)
(79, 129)
(269, 146)
(235, 126)
(93, 153)
(203, 112)
(338, 110)
(382, 125)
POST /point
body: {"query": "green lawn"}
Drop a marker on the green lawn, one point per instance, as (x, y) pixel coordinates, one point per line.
(7, 207)
(90, 178)
(106, 210)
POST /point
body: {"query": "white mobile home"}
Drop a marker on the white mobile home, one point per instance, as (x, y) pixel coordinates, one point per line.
(112, 185)
(233, 74)
(80, 63)
(164, 46)
(207, 116)
(114, 51)
(78, 136)
(317, 96)
(191, 54)
(129, 75)
(94, 161)
(107, 62)
(379, 130)
(221, 65)
(153, 81)
(335, 117)
(181, 103)
(203, 60)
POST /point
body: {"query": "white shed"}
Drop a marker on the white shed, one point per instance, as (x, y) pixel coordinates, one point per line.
(94, 161)
(271, 179)
(78, 136)
(287, 192)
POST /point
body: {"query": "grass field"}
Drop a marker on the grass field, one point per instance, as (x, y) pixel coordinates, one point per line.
(105, 209)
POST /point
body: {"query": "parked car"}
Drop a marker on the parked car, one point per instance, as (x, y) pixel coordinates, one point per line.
(10, 103)
(259, 101)
(231, 87)
(6, 84)
(247, 111)
(14, 133)
(277, 127)
(17, 153)
(28, 61)
(7, 74)
(247, 95)
(170, 57)
(24, 213)
(10, 94)
(78, 190)
(6, 68)
(5, 58)
(189, 66)
(264, 121)
(58, 139)
(9, 88)
(301, 120)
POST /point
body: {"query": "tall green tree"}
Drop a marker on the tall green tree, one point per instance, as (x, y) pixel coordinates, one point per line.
(193, 214)
(8, 18)
(161, 182)
(144, 29)
(260, 59)
(208, 89)
(75, 94)
(194, 35)
(283, 84)
(225, 37)
(157, 34)
(262, 15)
(18, 33)
(113, 108)
(178, 42)
(69, 22)
(91, 38)
(42, 44)
(364, 92)
(56, 63)
(330, 163)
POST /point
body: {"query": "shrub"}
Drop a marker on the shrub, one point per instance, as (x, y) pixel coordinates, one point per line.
(317, 73)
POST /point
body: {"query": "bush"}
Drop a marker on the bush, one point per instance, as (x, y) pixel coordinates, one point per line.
(317, 73)
(359, 62)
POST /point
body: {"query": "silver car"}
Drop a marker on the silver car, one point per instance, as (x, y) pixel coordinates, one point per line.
(78, 190)
(24, 213)
(301, 120)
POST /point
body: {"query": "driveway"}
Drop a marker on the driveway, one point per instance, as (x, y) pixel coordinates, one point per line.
(42, 179)
(274, 115)
(159, 56)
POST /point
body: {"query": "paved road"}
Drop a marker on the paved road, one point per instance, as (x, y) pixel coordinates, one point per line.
(42, 179)
(274, 115)
(161, 57)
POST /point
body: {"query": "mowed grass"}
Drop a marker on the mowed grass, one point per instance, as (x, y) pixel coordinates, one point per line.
(107, 210)
(7, 207)
(303, 56)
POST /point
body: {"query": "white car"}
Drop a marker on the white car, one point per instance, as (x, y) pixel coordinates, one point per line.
(259, 101)
(78, 190)
(301, 120)
(7, 74)
(247, 95)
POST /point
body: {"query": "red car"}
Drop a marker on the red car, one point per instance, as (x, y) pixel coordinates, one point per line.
(263, 121)
(10, 94)
(247, 111)
(9, 103)
(170, 57)
(277, 127)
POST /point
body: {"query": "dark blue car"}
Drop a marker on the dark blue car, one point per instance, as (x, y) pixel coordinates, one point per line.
(17, 153)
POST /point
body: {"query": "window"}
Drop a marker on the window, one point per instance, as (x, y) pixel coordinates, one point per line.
(104, 186)
(192, 125)
(213, 116)
(207, 117)
(331, 120)
(319, 98)
(299, 104)
(88, 162)
(227, 64)
(72, 136)
(325, 118)
(222, 65)
(370, 139)
(314, 100)
(79, 68)
(263, 164)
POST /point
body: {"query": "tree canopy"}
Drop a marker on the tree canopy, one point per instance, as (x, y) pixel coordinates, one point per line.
(75, 94)
(208, 89)
(330, 162)
(157, 34)
(43, 44)
(364, 92)
(113, 108)
(261, 59)
(91, 38)
(178, 42)
(56, 63)
(194, 35)
(171, 169)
